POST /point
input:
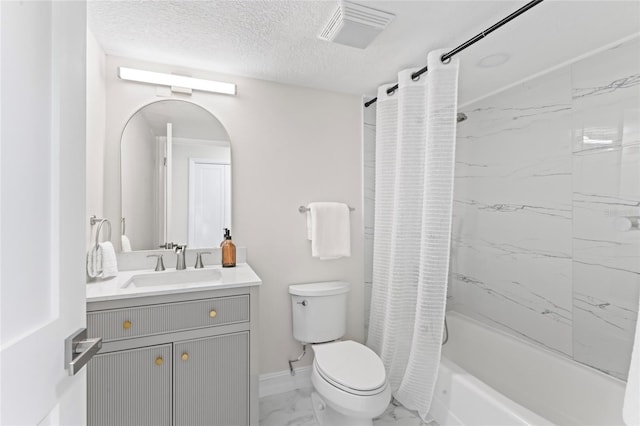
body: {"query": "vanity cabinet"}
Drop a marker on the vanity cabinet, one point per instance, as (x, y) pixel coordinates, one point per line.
(167, 361)
(130, 387)
(211, 380)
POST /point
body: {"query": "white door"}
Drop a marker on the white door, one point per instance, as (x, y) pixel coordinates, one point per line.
(209, 202)
(42, 205)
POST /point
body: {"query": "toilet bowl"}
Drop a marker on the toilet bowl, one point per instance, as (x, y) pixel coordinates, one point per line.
(349, 379)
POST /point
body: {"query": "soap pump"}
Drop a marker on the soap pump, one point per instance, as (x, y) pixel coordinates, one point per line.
(228, 250)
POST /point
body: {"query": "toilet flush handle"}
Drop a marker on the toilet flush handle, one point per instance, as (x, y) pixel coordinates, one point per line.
(303, 303)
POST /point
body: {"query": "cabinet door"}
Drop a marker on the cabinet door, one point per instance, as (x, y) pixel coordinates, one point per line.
(211, 381)
(131, 387)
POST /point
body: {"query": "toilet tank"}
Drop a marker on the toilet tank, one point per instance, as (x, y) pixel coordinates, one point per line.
(319, 311)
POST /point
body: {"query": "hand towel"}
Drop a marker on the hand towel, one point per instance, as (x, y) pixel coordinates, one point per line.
(101, 261)
(330, 230)
(631, 407)
(93, 269)
(126, 244)
(109, 262)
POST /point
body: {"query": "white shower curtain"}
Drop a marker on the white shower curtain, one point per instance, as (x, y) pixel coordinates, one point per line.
(415, 148)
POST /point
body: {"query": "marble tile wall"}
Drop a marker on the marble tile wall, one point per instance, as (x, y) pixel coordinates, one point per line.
(542, 172)
(368, 179)
(511, 242)
(606, 186)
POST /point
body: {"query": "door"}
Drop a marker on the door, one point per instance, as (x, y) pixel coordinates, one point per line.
(211, 381)
(42, 209)
(131, 387)
(209, 202)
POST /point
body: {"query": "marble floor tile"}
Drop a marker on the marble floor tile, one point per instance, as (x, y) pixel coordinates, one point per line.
(294, 409)
(287, 409)
(397, 415)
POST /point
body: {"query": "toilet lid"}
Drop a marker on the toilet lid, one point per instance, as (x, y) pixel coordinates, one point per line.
(350, 365)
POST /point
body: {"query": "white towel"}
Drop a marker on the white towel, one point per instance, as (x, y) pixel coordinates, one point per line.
(109, 262)
(125, 243)
(93, 269)
(329, 229)
(631, 407)
(101, 261)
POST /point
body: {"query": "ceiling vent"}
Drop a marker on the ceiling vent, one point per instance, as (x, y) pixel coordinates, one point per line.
(355, 25)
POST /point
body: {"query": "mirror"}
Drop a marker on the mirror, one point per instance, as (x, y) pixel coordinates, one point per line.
(175, 170)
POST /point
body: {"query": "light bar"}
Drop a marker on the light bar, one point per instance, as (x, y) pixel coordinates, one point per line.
(176, 81)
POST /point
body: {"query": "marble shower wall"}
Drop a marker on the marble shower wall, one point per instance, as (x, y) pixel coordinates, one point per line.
(542, 172)
(511, 238)
(368, 182)
(606, 186)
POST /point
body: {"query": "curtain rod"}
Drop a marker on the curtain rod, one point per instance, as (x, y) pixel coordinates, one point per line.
(447, 56)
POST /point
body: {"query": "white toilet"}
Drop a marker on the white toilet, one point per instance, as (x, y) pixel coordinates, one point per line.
(349, 378)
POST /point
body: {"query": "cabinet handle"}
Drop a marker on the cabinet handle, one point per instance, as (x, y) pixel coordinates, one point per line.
(126, 325)
(185, 356)
(159, 361)
(213, 313)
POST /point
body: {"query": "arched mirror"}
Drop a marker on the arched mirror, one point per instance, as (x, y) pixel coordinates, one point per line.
(175, 176)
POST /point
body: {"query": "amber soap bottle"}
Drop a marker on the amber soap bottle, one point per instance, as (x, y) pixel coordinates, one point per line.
(228, 250)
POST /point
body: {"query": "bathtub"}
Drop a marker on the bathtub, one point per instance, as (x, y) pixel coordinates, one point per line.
(488, 377)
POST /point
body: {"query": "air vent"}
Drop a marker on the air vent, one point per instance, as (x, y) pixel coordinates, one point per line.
(355, 25)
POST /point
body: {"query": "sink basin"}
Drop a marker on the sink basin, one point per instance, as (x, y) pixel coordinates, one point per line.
(187, 277)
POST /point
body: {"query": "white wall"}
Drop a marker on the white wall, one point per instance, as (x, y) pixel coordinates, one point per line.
(290, 146)
(96, 130)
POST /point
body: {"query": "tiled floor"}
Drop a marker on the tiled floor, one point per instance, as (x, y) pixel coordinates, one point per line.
(294, 409)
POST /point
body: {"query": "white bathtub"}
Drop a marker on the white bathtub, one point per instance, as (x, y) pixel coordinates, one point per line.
(488, 377)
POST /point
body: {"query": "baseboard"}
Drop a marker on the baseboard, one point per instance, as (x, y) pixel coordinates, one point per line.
(283, 381)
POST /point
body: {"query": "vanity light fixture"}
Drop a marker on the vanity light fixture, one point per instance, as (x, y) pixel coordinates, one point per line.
(176, 81)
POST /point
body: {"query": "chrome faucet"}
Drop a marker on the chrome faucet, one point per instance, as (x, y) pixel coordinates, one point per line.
(199, 264)
(159, 263)
(180, 252)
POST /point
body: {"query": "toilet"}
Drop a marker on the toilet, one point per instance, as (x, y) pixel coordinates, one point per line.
(349, 379)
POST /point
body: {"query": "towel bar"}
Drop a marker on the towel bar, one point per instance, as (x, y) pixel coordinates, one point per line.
(303, 209)
(100, 221)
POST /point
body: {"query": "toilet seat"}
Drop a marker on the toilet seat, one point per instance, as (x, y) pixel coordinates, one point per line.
(351, 367)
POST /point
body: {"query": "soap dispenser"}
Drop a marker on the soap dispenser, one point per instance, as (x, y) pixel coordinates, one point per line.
(228, 250)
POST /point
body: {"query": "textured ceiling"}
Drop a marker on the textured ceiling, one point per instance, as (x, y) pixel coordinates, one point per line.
(277, 40)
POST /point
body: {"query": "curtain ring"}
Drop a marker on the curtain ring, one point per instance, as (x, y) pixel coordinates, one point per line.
(416, 78)
(393, 92)
(445, 61)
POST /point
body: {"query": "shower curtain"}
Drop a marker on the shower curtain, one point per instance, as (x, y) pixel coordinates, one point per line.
(415, 148)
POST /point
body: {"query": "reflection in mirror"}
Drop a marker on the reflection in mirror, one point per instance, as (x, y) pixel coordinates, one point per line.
(175, 177)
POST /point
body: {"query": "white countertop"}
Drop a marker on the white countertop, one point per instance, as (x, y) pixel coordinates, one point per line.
(112, 289)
